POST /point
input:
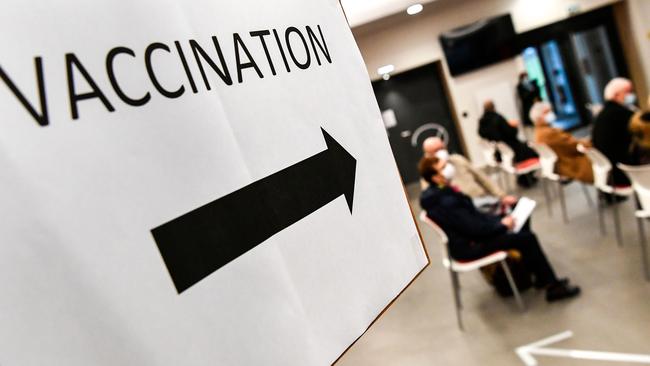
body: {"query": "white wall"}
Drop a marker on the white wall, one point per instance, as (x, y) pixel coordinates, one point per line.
(639, 13)
(408, 42)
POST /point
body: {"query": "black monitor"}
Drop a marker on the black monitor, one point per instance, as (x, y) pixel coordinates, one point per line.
(479, 44)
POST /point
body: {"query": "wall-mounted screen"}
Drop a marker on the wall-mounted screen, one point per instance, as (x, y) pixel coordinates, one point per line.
(479, 44)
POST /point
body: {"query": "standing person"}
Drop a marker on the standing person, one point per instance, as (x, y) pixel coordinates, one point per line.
(610, 133)
(570, 162)
(494, 127)
(528, 93)
(473, 234)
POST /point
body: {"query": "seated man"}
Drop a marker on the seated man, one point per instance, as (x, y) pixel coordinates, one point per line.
(473, 235)
(610, 133)
(494, 127)
(468, 179)
(570, 162)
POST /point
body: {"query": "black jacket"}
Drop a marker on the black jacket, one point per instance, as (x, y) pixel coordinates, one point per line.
(465, 226)
(492, 126)
(612, 137)
(528, 93)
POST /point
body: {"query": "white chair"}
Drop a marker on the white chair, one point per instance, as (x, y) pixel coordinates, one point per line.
(602, 168)
(456, 267)
(548, 158)
(508, 162)
(640, 177)
(488, 150)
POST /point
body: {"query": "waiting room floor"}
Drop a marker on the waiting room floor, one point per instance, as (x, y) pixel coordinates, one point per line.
(612, 314)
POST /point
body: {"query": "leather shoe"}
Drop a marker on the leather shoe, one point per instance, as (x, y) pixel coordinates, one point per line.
(559, 291)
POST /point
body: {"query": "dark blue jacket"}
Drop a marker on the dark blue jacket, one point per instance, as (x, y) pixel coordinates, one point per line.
(466, 227)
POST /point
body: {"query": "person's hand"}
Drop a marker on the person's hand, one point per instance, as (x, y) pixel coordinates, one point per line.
(509, 200)
(509, 222)
(513, 123)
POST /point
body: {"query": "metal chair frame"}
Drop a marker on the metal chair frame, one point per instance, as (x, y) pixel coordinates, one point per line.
(456, 267)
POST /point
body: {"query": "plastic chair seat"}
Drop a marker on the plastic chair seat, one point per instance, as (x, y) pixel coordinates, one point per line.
(528, 166)
(619, 191)
(467, 266)
(641, 214)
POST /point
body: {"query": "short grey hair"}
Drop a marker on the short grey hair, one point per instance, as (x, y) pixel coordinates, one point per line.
(615, 86)
(538, 110)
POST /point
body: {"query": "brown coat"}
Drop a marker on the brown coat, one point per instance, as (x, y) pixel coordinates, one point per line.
(570, 163)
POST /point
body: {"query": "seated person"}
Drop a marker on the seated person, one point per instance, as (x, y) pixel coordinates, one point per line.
(640, 129)
(570, 162)
(610, 133)
(494, 127)
(473, 235)
(468, 179)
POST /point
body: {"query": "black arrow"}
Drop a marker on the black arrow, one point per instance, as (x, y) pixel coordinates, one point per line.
(203, 240)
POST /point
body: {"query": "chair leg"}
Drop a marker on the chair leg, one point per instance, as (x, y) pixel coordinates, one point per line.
(644, 249)
(585, 190)
(513, 285)
(547, 196)
(560, 190)
(457, 284)
(601, 219)
(617, 224)
(456, 289)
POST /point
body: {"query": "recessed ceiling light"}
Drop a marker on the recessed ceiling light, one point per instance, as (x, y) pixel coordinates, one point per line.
(385, 70)
(414, 9)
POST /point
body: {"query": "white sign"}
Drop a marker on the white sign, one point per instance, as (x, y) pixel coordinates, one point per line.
(192, 183)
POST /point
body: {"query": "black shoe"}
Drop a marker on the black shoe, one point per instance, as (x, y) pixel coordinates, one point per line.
(540, 285)
(565, 181)
(559, 291)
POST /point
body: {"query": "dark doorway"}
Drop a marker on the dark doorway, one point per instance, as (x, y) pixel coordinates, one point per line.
(415, 106)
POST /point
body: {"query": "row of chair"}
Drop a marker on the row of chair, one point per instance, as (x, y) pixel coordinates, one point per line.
(601, 166)
(640, 177)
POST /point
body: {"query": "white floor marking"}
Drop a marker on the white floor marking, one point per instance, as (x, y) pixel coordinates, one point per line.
(537, 348)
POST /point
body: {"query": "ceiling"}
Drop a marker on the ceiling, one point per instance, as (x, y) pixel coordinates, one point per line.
(365, 11)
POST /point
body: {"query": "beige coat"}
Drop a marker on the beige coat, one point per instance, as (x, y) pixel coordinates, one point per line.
(472, 181)
(570, 163)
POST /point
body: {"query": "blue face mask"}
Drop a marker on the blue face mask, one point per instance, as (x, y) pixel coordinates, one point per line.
(630, 99)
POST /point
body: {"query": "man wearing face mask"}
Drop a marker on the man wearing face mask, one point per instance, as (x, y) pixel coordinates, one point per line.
(571, 163)
(486, 195)
(473, 234)
(610, 133)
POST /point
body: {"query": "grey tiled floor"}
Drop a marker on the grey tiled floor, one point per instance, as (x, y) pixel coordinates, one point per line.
(613, 314)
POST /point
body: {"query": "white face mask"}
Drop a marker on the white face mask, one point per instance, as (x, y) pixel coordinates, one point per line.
(550, 117)
(630, 99)
(442, 154)
(448, 172)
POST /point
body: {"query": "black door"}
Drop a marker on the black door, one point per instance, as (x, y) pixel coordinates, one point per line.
(421, 109)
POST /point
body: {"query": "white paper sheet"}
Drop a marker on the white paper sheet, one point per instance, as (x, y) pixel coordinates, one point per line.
(521, 213)
(83, 281)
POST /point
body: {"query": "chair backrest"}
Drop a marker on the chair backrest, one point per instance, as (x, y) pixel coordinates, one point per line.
(640, 177)
(600, 165)
(442, 237)
(547, 159)
(507, 155)
(488, 149)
